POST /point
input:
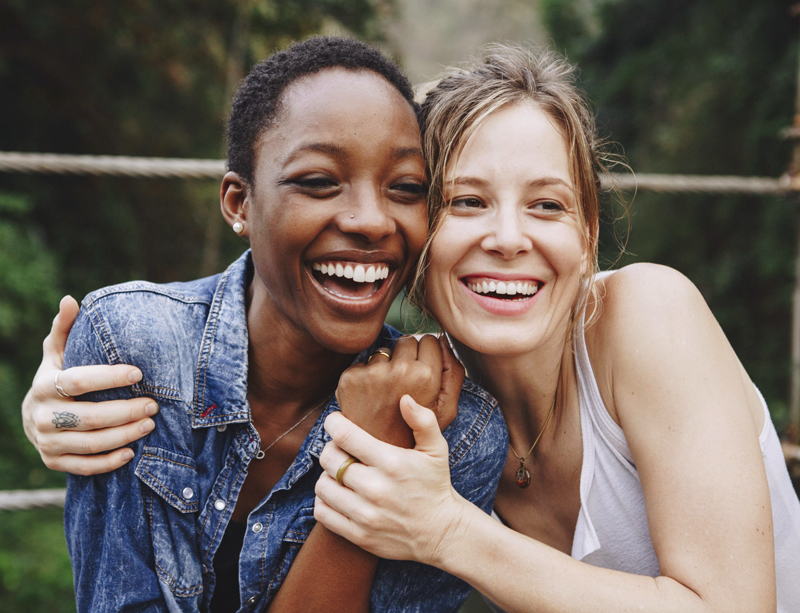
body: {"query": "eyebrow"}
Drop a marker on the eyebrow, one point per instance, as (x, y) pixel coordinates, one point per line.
(335, 151)
(542, 182)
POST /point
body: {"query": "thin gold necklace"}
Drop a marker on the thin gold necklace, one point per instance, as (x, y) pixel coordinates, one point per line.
(262, 452)
(523, 474)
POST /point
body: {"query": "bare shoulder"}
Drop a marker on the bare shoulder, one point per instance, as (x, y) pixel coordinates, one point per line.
(642, 303)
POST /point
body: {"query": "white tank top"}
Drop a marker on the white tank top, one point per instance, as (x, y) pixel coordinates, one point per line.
(612, 525)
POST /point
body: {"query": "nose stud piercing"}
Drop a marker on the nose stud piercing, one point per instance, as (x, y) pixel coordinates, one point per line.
(351, 216)
(238, 227)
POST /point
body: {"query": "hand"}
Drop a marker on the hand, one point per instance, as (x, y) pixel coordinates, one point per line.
(64, 430)
(396, 503)
(369, 394)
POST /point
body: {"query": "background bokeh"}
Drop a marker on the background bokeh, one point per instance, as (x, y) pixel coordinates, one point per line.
(683, 86)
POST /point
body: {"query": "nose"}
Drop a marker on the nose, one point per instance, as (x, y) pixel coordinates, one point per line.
(505, 234)
(367, 214)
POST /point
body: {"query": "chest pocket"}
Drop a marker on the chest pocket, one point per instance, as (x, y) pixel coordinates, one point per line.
(171, 500)
(294, 538)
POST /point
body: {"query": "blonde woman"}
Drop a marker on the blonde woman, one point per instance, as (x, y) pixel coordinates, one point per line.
(644, 472)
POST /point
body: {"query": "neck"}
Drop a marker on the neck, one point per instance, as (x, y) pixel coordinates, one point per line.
(525, 386)
(288, 370)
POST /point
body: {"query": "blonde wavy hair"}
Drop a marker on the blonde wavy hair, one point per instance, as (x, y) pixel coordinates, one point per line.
(459, 104)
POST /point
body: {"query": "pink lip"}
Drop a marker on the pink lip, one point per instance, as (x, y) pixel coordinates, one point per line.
(500, 276)
(498, 306)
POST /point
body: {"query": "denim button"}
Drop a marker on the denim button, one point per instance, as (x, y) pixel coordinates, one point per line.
(222, 428)
(188, 493)
(205, 569)
(254, 598)
(219, 504)
(258, 527)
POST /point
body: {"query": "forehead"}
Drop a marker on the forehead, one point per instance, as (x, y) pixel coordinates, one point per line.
(520, 138)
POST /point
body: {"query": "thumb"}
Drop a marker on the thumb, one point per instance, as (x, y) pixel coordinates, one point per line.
(426, 429)
(56, 341)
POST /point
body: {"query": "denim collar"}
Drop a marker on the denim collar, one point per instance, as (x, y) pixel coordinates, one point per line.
(221, 378)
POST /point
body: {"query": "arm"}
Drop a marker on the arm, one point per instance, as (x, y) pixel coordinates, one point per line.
(677, 389)
(107, 526)
(330, 573)
(110, 426)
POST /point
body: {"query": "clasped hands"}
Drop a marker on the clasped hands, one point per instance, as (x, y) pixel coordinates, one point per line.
(397, 501)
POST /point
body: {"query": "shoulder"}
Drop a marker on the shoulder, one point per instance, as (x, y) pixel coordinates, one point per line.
(157, 328)
(479, 429)
(643, 302)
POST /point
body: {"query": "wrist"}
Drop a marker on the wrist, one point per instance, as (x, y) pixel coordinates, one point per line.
(459, 519)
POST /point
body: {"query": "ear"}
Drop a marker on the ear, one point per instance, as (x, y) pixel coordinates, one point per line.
(234, 200)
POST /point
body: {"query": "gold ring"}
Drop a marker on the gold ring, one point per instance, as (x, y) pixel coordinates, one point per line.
(345, 465)
(59, 389)
(381, 351)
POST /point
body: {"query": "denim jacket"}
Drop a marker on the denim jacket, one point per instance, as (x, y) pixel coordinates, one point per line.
(143, 537)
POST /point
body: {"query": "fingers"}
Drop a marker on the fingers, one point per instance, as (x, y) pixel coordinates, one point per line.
(80, 443)
(423, 423)
(84, 416)
(84, 379)
(452, 379)
(333, 458)
(92, 465)
(355, 441)
(405, 349)
(430, 352)
(55, 342)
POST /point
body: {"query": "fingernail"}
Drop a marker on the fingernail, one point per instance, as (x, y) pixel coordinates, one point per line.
(147, 426)
(135, 376)
(151, 409)
(127, 455)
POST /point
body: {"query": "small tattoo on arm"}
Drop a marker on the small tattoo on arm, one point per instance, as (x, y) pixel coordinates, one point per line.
(65, 420)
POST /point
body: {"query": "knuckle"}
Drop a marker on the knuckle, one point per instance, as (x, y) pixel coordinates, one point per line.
(88, 446)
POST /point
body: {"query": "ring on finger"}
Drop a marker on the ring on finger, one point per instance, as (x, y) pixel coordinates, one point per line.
(381, 351)
(343, 468)
(60, 390)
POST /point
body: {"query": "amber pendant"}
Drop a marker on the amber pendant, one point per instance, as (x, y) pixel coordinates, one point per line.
(523, 476)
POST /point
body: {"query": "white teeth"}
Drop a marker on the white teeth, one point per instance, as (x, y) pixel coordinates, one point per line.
(360, 273)
(508, 288)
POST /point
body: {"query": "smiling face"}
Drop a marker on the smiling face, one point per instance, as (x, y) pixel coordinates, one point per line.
(336, 216)
(506, 263)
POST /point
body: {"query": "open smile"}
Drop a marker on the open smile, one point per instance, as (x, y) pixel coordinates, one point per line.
(350, 280)
(505, 296)
(502, 289)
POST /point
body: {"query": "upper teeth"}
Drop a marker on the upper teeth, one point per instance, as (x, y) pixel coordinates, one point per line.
(510, 288)
(359, 273)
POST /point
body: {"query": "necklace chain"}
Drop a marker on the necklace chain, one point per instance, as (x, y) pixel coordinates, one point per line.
(262, 452)
(523, 474)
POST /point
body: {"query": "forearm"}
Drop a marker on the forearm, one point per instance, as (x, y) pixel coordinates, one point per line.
(330, 574)
(521, 574)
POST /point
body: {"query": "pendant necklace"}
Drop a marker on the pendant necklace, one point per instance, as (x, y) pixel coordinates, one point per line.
(262, 452)
(523, 474)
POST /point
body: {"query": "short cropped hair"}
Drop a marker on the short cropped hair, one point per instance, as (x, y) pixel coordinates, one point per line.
(257, 102)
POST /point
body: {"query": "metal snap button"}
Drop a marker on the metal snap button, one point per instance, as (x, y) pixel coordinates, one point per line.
(222, 428)
(252, 600)
(219, 504)
(258, 527)
(188, 493)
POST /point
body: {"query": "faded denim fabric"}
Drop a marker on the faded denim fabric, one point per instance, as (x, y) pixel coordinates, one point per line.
(143, 538)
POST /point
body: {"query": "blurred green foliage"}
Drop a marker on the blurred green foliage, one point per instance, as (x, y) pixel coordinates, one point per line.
(701, 87)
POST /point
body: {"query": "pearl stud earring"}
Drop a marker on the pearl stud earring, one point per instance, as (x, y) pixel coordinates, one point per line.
(238, 227)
